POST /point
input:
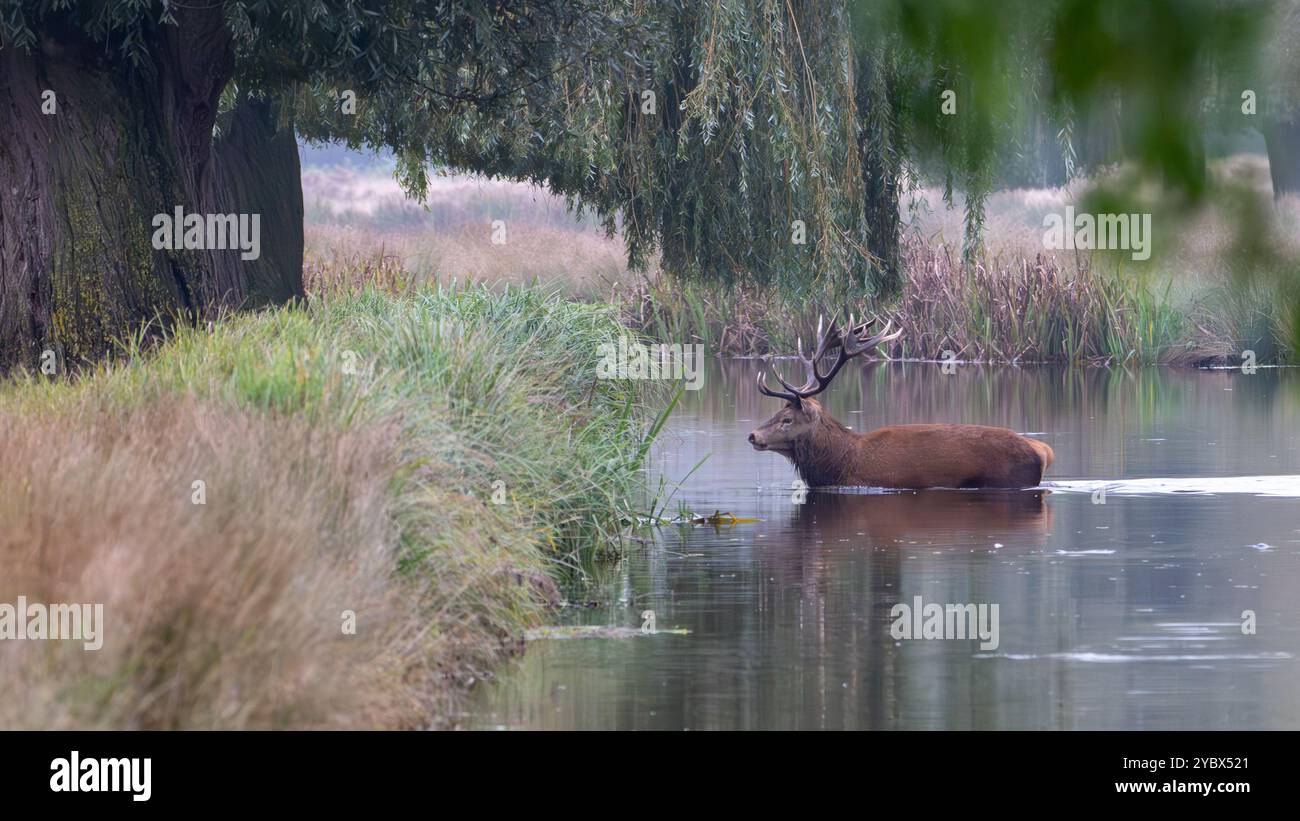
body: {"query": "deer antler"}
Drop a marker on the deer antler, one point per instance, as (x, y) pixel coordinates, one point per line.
(849, 343)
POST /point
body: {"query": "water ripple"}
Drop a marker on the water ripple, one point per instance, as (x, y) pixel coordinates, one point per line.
(1287, 486)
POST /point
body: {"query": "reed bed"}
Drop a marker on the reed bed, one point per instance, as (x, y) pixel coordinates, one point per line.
(1004, 308)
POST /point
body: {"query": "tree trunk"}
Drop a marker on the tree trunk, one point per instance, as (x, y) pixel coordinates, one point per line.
(258, 173)
(80, 187)
(1099, 137)
(1282, 138)
(1048, 153)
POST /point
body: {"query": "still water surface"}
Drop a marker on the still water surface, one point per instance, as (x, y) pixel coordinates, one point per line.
(1115, 611)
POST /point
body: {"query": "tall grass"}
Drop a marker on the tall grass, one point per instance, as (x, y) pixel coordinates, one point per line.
(1004, 308)
(1033, 310)
(427, 461)
(742, 320)
(1246, 316)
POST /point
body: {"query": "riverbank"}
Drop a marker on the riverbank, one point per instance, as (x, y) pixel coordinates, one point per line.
(330, 515)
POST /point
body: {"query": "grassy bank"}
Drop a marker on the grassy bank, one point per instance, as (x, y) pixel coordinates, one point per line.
(348, 451)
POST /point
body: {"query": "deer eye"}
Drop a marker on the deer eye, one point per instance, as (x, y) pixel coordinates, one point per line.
(785, 423)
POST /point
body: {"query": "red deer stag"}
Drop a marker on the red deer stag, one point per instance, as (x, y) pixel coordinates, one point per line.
(827, 454)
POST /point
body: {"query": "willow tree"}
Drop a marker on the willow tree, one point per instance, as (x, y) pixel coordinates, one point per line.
(117, 111)
(740, 140)
(722, 137)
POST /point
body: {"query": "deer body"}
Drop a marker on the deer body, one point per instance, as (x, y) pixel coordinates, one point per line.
(827, 454)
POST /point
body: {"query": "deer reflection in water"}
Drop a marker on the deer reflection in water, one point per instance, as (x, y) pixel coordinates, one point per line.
(848, 558)
(882, 526)
(944, 518)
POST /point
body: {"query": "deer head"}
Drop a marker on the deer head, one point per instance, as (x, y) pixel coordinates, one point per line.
(795, 424)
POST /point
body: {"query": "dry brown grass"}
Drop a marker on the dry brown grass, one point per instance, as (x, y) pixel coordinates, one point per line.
(1002, 309)
(370, 196)
(362, 215)
(228, 615)
(221, 615)
(1197, 247)
(581, 264)
(1031, 310)
(325, 492)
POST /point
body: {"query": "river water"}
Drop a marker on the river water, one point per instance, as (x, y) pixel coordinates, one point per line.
(1153, 583)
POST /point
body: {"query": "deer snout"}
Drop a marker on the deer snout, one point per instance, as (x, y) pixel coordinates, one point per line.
(756, 439)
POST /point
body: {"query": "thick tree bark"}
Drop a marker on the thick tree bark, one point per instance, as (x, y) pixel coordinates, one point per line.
(80, 187)
(1282, 138)
(258, 173)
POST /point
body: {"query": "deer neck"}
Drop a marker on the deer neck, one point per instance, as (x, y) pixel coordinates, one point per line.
(828, 455)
